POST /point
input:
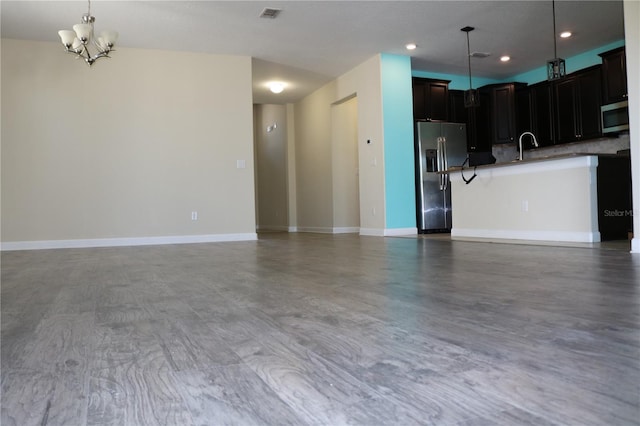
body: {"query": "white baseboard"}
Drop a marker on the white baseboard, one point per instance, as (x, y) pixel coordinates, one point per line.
(503, 234)
(635, 245)
(398, 232)
(372, 232)
(315, 229)
(346, 230)
(327, 230)
(388, 232)
(278, 228)
(120, 242)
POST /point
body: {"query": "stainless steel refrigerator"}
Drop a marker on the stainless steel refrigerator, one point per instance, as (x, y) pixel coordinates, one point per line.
(438, 147)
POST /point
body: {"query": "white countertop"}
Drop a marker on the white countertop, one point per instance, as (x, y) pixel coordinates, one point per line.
(525, 161)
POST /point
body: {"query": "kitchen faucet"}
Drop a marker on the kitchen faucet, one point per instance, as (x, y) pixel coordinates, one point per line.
(535, 142)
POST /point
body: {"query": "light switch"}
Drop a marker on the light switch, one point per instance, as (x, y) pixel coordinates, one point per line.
(241, 164)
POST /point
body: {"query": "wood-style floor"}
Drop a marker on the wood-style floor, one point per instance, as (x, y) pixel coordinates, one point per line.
(323, 330)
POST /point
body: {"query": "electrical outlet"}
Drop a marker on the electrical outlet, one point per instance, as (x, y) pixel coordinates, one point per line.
(194, 215)
(525, 205)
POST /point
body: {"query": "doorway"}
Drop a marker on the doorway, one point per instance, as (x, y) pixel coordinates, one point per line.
(345, 173)
(270, 148)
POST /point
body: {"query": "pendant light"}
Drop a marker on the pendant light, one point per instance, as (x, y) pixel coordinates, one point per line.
(555, 67)
(471, 96)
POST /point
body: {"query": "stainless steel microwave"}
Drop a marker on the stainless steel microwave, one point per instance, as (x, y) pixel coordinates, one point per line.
(615, 117)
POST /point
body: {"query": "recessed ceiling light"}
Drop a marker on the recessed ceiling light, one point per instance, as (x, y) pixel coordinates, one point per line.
(505, 58)
(276, 87)
(411, 46)
(565, 34)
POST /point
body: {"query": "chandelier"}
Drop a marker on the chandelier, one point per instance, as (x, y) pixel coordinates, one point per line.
(82, 37)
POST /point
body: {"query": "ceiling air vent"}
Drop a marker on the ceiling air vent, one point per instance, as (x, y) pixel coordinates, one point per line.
(270, 13)
(480, 54)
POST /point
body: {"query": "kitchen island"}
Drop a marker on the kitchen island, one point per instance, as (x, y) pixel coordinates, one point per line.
(547, 199)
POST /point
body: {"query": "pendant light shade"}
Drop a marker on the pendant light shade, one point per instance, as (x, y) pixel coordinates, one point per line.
(556, 67)
(67, 37)
(83, 31)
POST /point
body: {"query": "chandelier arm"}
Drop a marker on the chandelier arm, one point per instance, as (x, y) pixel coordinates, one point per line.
(90, 60)
(84, 53)
(100, 55)
(79, 54)
(97, 46)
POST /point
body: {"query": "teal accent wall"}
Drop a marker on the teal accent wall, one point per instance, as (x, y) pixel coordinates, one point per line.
(458, 82)
(573, 63)
(397, 110)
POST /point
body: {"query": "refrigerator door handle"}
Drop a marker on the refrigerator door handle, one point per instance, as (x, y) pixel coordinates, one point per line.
(440, 163)
(445, 157)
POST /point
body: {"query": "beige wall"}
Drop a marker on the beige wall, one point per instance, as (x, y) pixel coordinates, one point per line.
(632, 42)
(271, 166)
(313, 160)
(126, 149)
(313, 143)
(365, 82)
(346, 200)
(292, 185)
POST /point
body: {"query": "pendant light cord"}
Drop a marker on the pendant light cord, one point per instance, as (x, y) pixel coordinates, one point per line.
(553, 5)
(469, 59)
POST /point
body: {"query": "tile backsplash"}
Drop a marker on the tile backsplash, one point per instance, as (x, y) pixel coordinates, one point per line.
(607, 145)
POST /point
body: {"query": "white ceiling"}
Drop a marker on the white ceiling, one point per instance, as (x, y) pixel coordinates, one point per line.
(312, 42)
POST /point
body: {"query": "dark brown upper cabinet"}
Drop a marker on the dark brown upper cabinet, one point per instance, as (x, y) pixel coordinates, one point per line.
(479, 121)
(457, 111)
(503, 106)
(534, 112)
(430, 99)
(578, 98)
(614, 76)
